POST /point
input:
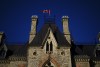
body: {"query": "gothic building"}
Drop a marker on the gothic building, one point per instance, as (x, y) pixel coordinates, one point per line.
(49, 48)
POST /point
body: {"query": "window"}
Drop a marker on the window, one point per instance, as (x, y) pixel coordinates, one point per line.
(48, 64)
(49, 47)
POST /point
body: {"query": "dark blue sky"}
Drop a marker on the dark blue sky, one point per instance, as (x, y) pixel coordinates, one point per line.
(15, 18)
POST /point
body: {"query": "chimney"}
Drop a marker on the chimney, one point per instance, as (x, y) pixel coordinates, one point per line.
(33, 27)
(66, 28)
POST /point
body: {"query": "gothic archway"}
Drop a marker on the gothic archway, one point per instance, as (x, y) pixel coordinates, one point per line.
(50, 62)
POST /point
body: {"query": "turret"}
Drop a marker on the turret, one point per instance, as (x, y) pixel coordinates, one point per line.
(2, 38)
(97, 48)
(3, 48)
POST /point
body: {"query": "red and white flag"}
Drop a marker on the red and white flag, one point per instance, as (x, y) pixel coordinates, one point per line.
(47, 11)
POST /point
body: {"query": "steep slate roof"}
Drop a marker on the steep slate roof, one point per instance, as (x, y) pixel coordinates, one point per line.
(89, 49)
(61, 40)
(17, 50)
(83, 49)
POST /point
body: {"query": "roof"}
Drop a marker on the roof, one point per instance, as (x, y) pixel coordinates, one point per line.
(16, 50)
(84, 50)
(61, 40)
(96, 58)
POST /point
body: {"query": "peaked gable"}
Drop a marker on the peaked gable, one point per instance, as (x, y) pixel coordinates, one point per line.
(58, 36)
(50, 38)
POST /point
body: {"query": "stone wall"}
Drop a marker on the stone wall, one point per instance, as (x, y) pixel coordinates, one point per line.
(18, 64)
(4, 65)
(97, 64)
(63, 57)
(82, 61)
(34, 56)
(37, 57)
(82, 64)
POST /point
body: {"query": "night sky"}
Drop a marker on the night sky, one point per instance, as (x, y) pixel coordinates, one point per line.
(84, 18)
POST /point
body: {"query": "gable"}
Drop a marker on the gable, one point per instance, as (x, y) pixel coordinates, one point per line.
(49, 43)
(49, 37)
(57, 36)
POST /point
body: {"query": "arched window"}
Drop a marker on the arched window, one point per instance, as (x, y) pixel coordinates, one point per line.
(47, 46)
(51, 47)
(48, 64)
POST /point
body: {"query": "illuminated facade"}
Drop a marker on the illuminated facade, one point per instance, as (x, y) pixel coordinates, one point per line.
(49, 48)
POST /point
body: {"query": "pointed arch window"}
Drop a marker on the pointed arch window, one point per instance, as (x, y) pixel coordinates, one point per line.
(48, 63)
(49, 47)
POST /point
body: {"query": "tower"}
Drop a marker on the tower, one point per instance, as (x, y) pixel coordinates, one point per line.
(66, 28)
(33, 27)
(49, 48)
(97, 48)
(3, 48)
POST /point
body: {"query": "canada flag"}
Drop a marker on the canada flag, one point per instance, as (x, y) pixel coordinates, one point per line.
(47, 11)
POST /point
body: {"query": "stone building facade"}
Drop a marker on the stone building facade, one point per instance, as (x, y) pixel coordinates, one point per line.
(48, 48)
